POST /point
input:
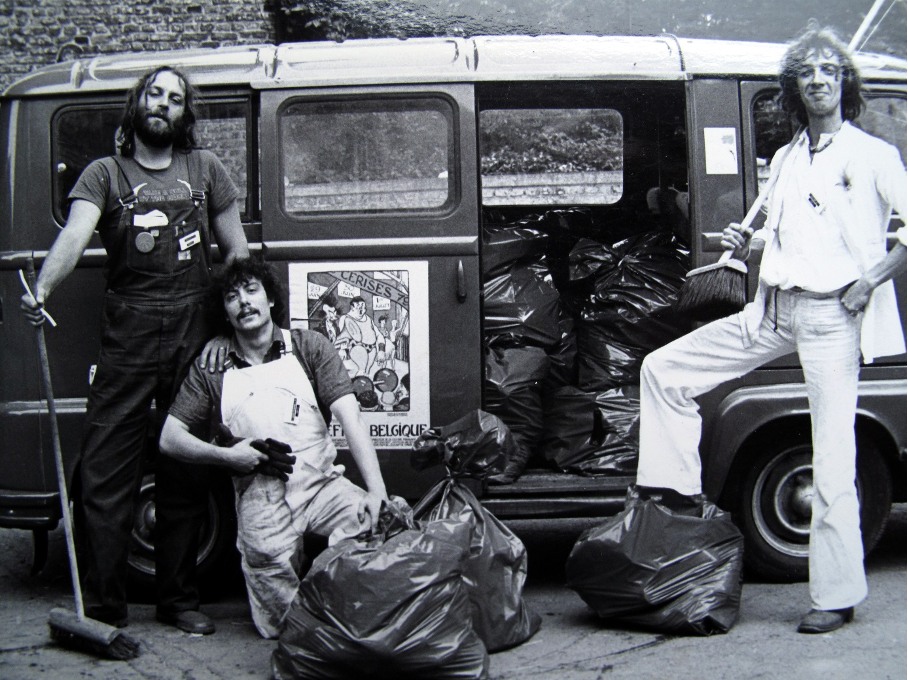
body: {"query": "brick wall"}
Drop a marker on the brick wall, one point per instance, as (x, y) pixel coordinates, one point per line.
(35, 33)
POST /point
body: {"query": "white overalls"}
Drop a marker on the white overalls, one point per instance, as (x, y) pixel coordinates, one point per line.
(276, 400)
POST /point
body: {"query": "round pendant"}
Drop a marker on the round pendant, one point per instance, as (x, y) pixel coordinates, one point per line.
(144, 242)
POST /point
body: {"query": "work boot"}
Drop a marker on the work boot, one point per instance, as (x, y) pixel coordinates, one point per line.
(825, 621)
(189, 620)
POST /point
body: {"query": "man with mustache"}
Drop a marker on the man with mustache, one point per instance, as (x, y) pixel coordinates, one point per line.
(155, 206)
(273, 399)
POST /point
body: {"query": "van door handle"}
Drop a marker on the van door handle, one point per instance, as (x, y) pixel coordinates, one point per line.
(461, 282)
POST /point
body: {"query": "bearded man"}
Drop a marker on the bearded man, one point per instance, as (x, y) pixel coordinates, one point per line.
(155, 206)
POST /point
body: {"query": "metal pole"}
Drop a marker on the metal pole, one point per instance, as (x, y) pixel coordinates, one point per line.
(862, 30)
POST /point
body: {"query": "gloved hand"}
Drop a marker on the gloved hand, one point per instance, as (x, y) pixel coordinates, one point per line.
(279, 463)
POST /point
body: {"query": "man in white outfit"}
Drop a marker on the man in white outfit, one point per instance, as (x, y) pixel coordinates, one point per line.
(825, 292)
(277, 389)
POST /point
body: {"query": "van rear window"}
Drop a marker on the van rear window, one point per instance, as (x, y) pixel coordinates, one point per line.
(82, 134)
(551, 157)
(385, 154)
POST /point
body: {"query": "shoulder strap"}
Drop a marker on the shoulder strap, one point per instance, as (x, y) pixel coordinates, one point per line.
(296, 342)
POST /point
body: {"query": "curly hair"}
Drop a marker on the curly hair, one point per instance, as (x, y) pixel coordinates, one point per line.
(236, 273)
(185, 139)
(816, 39)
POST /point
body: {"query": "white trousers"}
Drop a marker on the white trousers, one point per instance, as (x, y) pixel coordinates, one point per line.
(827, 340)
(271, 520)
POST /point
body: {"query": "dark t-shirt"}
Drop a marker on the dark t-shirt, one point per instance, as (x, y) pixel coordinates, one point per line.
(160, 273)
(198, 403)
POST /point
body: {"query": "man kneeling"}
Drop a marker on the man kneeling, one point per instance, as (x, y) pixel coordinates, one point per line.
(273, 393)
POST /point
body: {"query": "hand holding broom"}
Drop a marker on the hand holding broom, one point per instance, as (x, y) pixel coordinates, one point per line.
(73, 629)
(720, 289)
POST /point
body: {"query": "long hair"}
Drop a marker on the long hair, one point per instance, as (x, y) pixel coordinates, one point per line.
(235, 274)
(819, 40)
(185, 138)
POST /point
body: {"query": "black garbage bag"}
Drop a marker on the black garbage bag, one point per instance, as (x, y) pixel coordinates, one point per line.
(593, 432)
(630, 312)
(522, 304)
(662, 565)
(390, 606)
(496, 570)
(477, 445)
(505, 245)
(563, 357)
(513, 386)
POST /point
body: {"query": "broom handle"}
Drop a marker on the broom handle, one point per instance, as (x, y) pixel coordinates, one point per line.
(763, 195)
(58, 452)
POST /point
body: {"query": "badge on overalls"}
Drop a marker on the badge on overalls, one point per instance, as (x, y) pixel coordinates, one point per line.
(144, 242)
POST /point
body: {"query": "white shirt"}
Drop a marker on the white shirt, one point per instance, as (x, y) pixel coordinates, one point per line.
(863, 181)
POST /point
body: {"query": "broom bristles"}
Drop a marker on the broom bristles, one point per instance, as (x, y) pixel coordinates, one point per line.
(121, 648)
(713, 294)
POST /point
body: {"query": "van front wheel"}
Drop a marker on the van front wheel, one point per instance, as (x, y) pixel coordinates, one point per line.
(773, 505)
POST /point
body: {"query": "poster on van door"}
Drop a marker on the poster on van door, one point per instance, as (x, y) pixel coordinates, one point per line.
(376, 315)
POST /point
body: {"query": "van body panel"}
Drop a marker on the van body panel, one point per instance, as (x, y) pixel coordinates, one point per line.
(371, 169)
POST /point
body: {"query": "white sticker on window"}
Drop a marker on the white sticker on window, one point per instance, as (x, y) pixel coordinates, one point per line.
(721, 151)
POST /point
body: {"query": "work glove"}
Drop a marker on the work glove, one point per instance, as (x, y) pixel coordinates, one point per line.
(279, 463)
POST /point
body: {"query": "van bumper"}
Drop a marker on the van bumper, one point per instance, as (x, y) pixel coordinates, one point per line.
(29, 509)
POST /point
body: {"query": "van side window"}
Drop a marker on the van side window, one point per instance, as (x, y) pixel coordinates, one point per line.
(81, 134)
(773, 129)
(551, 157)
(366, 156)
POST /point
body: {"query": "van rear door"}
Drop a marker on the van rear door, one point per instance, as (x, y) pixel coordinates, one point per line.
(369, 208)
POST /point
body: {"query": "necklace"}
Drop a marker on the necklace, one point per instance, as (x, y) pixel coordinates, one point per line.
(824, 145)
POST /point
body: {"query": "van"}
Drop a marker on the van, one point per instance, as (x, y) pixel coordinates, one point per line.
(497, 223)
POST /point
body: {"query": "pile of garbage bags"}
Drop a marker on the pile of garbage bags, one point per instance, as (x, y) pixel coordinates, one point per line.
(432, 592)
(571, 308)
(667, 562)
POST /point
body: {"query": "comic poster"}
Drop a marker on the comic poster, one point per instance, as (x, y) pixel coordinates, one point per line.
(377, 316)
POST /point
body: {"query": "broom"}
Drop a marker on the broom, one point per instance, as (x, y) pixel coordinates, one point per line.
(719, 289)
(73, 629)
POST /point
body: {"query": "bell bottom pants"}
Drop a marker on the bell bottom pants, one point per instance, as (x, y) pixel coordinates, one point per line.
(827, 341)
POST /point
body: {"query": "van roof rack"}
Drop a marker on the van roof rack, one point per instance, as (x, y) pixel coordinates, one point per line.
(422, 60)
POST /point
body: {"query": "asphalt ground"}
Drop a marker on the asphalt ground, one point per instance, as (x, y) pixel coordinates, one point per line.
(572, 643)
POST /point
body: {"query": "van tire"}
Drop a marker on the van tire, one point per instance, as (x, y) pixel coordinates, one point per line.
(216, 545)
(772, 504)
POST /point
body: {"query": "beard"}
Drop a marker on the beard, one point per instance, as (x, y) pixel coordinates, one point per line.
(158, 133)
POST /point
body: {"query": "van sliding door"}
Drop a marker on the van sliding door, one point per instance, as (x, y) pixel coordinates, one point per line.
(369, 209)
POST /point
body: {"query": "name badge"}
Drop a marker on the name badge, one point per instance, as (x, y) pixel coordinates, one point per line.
(153, 219)
(190, 240)
(292, 412)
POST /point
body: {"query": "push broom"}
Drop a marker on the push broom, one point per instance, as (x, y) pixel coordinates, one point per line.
(719, 289)
(73, 629)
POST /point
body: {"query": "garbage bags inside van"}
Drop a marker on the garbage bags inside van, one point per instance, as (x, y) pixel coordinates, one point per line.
(670, 564)
(593, 432)
(496, 569)
(392, 605)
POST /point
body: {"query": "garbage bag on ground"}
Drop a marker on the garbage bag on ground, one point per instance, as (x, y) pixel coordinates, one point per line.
(523, 304)
(512, 387)
(390, 606)
(496, 569)
(494, 573)
(662, 565)
(593, 432)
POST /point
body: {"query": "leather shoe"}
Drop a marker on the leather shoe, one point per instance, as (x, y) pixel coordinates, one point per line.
(822, 621)
(189, 620)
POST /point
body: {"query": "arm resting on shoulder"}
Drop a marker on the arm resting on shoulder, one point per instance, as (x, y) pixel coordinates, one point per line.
(228, 232)
(178, 442)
